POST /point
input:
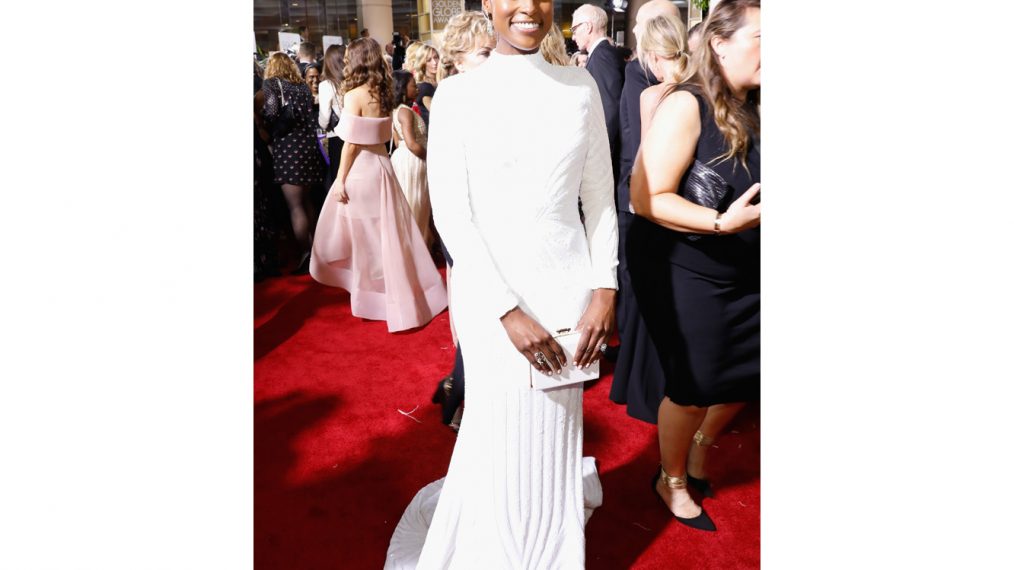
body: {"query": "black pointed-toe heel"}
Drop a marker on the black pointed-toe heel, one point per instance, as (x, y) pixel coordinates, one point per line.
(701, 521)
(443, 389)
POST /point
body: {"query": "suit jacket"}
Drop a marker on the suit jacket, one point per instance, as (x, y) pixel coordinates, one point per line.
(606, 66)
(636, 80)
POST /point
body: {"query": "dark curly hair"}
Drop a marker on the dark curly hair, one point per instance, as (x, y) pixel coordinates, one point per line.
(365, 65)
(401, 79)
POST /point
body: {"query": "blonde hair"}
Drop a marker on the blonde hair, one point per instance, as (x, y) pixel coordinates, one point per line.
(462, 33)
(553, 48)
(281, 66)
(665, 37)
(416, 63)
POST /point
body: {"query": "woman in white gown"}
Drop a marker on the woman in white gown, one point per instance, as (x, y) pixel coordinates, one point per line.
(513, 146)
(409, 159)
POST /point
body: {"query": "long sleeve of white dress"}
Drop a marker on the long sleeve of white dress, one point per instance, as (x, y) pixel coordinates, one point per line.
(451, 203)
(597, 200)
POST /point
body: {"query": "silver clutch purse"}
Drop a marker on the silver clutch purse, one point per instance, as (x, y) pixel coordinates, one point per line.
(571, 374)
(704, 186)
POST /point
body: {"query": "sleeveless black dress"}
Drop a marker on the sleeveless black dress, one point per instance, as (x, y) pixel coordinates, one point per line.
(700, 294)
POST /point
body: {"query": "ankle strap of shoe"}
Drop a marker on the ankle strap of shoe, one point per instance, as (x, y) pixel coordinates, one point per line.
(671, 481)
(702, 440)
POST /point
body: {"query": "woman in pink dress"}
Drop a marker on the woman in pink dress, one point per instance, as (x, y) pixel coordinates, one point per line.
(367, 241)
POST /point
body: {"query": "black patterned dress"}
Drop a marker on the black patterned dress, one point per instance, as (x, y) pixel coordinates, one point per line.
(296, 157)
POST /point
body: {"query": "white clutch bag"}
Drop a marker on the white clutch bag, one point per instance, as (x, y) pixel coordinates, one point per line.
(571, 374)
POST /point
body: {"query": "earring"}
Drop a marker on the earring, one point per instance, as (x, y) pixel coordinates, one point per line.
(489, 23)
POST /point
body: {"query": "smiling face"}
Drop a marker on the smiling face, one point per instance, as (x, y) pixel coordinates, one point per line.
(312, 78)
(520, 25)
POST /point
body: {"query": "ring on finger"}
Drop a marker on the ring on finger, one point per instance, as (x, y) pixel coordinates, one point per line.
(603, 347)
(540, 359)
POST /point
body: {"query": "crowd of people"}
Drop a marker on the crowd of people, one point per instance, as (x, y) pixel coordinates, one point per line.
(591, 192)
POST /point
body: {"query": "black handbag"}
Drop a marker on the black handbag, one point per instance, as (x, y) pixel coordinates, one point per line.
(333, 121)
(285, 122)
(704, 186)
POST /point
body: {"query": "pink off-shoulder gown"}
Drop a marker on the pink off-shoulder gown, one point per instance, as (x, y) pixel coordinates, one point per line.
(371, 246)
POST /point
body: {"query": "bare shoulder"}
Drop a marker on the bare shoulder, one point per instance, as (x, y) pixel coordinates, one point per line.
(679, 106)
(356, 100)
(651, 95)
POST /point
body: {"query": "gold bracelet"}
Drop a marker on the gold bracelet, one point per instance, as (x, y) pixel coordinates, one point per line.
(718, 223)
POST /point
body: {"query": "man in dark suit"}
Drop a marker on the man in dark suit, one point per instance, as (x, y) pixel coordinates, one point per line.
(605, 63)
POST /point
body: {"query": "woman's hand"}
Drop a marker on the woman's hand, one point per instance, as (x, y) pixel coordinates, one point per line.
(530, 339)
(742, 215)
(338, 188)
(596, 326)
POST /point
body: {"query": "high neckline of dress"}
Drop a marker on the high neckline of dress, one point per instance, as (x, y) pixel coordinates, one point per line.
(521, 60)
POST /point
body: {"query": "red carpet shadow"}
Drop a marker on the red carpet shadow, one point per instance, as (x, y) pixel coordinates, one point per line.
(289, 318)
(621, 530)
(325, 521)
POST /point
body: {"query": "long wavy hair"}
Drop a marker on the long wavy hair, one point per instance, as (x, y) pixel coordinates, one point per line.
(365, 65)
(281, 66)
(416, 63)
(737, 120)
(334, 64)
(553, 48)
(665, 37)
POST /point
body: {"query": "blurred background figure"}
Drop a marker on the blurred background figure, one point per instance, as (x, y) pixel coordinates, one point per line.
(579, 59)
(311, 75)
(266, 226)
(409, 159)
(297, 161)
(638, 380)
(306, 55)
(694, 37)
(605, 63)
(423, 63)
(331, 108)
(553, 47)
(398, 57)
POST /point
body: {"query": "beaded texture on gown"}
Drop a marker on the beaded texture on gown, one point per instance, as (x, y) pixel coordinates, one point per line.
(411, 173)
(371, 246)
(505, 190)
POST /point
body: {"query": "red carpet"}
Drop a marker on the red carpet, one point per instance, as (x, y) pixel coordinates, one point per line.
(335, 463)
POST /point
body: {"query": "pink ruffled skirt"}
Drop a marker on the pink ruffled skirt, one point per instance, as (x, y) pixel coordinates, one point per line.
(372, 248)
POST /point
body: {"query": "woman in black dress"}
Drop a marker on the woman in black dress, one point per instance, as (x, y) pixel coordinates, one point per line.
(696, 272)
(423, 64)
(297, 160)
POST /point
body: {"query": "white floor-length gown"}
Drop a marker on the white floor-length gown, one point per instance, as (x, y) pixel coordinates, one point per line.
(513, 146)
(411, 173)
